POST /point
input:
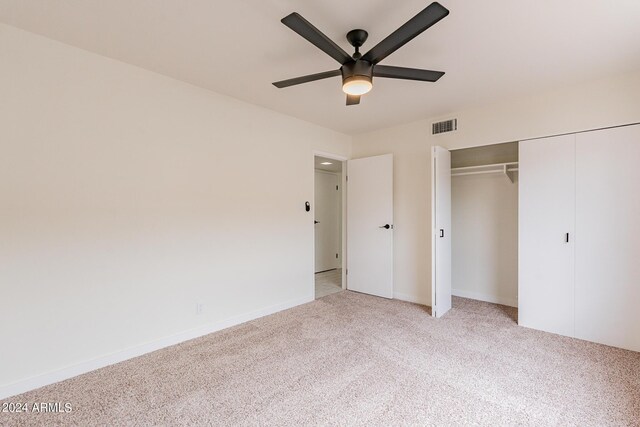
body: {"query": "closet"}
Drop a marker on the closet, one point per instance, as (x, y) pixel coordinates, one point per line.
(552, 228)
(484, 216)
(579, 235)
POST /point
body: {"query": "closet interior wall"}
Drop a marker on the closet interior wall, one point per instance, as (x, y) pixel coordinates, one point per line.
(485, 223)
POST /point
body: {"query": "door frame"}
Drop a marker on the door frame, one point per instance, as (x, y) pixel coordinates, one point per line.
(343, 214)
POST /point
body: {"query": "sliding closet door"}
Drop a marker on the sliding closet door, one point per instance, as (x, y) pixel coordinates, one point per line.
(546, 217)
(608, 232)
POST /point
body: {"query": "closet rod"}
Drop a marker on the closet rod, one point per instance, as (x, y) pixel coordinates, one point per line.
(496, 166)
(505, 168)
(482, 172)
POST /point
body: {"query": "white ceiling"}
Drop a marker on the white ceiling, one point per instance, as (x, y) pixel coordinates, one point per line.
(490, 49)
(335, 166)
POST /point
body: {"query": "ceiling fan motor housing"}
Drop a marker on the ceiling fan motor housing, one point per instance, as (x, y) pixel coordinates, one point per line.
(357, 70)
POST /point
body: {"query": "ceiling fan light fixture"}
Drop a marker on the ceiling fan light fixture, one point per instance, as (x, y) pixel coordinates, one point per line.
(357, 85)
(357, 70)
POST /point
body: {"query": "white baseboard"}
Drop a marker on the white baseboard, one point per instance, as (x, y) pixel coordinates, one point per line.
(409, 298)
(496, 299)
(131, 352)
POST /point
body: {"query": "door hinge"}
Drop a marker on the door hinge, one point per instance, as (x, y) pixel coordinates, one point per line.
(346, 271)
(336, 256)
(336, 188)
(347, 178)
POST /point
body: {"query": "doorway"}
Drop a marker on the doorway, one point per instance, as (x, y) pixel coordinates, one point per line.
(484, 222)
(475, 225)
(328, 225)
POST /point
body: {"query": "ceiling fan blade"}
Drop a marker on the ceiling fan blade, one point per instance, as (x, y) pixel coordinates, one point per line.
(306, 79)
(416, 25)
(353, 99)
(303, 27)
(406, 73)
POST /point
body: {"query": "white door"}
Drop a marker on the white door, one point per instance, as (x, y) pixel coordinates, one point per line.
(327, 219)
(370, 225)
(441, 231)
(608, 237)
(546, 221)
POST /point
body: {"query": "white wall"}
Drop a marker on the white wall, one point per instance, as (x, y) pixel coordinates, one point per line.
(608, 102)
(127, 198)
(411, 193)
(484, 232)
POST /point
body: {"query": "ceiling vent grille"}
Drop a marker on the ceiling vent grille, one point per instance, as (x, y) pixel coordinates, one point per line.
(446, 126)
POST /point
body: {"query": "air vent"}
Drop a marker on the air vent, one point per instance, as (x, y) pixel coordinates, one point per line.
(446, 126)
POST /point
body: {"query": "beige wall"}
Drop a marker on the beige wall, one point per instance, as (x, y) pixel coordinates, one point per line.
(607, 102)
(411, 243)
(127, 198)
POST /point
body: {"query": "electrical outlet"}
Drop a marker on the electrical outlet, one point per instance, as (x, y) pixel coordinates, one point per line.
(199, 308)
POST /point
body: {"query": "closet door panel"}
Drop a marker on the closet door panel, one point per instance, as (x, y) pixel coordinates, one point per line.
(546, 213)
(607, 297)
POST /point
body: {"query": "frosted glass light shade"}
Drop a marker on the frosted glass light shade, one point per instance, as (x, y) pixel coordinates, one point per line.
(357, 85)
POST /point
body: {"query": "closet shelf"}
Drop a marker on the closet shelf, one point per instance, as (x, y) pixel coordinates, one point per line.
(506, 168)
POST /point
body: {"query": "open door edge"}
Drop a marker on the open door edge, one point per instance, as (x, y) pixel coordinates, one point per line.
(433, 231)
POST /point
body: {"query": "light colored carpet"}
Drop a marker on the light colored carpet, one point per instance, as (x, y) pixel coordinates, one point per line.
(353, 359)
(328, 282)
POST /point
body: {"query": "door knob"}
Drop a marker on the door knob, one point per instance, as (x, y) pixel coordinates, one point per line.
(316, 222)
(386, 226)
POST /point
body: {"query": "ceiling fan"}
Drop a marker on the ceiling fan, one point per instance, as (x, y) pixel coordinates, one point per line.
(358, 70)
